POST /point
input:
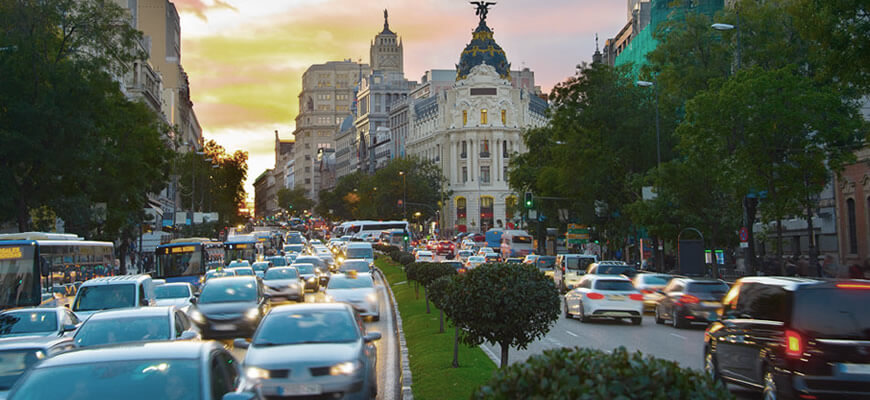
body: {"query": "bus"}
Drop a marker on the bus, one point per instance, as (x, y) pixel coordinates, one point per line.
(516, 243)
(369, 227)
(188, 259)
(240, 247)
(46, 269)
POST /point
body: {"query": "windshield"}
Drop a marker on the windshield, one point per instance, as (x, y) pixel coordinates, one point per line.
(228, 290)
(476, 259)
(105, 331)
(616, 270)
(359, 266)
(219, 274)
(241, 252)
(294, 240)
(14, 363)
(315, 326)
(172, 291)
(343, 282)
(17, 268)
(281, 273)
(707, 287)
(179, 261)
(277, 261)
(131, 380)
(102, 297)
(304, 268)
(260, 266)
(239, 264)
(23, 323)
(579, 263)
(316, 261)
(244, 271)
(614, 285)
(835, 313)
(545, 262)
(359, 252)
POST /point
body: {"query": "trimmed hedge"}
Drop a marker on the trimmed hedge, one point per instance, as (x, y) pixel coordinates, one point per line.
(593, 374)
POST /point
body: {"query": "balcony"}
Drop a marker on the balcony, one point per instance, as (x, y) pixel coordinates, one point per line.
(463, 155)
(484, 154)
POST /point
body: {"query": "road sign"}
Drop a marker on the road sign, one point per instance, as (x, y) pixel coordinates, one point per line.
(744, 234)
(577, 232)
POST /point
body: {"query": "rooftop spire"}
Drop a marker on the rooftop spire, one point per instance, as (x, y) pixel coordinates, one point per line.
(386, 21)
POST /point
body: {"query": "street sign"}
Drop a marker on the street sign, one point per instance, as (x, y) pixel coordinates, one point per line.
(744, 234)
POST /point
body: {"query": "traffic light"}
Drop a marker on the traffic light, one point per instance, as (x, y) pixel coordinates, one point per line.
(528, 202)
(406, 237)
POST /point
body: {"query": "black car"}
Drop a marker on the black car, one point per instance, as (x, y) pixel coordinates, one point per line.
(793, 338)
(230, 308)
(309, 274)
(321, 267)
(688, 300)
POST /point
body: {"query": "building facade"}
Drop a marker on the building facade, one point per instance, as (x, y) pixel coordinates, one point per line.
(265, 195)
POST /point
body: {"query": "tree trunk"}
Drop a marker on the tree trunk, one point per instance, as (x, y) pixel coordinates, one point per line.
(779, 247)
(426, 294)
(441, 322)
(416, 291)
(455, 347)
(504, 354)
(122, 251)
(23, 218)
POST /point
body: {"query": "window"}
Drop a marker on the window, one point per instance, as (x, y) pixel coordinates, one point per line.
(307, 169)
(484, 148)
(504, 173)
(464, 152)
(486, 203)
(307, 157)
(504, 117)
(307, 181)
(504, 149)
(483, 120)
(464, 174)
(853, 234)
(764, 302)
(464, 118)
(484, 174)
(461, 211)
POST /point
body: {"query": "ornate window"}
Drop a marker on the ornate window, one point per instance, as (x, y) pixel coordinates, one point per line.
(504, 117)
(484, 174)
(461, 213)
(464, 118)
(486, 210)
(483, 120)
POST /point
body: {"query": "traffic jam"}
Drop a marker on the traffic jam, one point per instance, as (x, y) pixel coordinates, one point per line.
(267, 315)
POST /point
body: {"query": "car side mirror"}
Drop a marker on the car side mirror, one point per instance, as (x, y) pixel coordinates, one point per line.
(239, 396)
(372, 336)
(241, 344)
(187, 335)
(66, 305)
(193, 300)
(69, 327)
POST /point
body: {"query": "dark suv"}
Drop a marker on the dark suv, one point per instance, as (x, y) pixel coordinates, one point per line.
(793, 338)
(687, 300)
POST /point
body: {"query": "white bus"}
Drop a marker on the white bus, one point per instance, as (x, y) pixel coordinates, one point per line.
(516, 243)
(369, 227)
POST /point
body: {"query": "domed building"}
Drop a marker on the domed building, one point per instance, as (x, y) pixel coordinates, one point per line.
(472, 128)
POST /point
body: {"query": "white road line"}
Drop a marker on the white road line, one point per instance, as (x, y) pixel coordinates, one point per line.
(490, 354)
(555, 342)
(679, 336)
(572, 333)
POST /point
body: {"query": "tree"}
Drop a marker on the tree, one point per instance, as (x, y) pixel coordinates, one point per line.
(430, 272)
(295, 201)
(437, 292)
(508, 304)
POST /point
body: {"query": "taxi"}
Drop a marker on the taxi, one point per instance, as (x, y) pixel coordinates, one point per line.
(356, 289)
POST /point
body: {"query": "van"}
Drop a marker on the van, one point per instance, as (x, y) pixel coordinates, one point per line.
(362, 250)
(125, 291)
(515, 243)
(570, 268)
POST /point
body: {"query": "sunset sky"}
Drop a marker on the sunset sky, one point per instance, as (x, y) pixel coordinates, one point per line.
(245, 58)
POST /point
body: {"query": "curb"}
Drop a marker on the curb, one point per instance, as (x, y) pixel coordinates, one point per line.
(405, 372)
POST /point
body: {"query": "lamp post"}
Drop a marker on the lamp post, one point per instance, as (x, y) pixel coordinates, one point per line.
(404, 195)
(654, 84)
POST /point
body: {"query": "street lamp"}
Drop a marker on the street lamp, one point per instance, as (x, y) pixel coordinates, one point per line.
(404, 195)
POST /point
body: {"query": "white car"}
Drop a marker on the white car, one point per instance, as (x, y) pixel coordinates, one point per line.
(607, 296)
(355, 289)
(474, 262)
(462, 255)
(483, 251)
(424, 256)
(176, 294)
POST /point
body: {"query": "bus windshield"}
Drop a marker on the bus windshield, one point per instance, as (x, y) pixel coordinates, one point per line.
(179, 261)
(17, 273)
(240, 251)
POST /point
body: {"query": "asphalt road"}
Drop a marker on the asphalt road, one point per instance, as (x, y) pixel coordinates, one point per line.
(388, 353)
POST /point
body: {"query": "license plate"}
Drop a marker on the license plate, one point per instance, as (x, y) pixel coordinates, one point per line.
(860, 369)
(615, 297)
(711, 304)
(224, 327)
(294, 389)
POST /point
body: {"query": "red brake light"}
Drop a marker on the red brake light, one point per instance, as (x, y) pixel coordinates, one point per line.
(793, 344)
(594, 296)
(646, 291)
(638, 297)
(853, 285)
(688, 299)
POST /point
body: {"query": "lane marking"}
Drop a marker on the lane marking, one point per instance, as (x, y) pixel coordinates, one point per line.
(679, 336)
(572, 333)
(555, 342)
(490, 354)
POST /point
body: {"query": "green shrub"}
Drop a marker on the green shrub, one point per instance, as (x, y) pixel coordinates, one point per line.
(593, 374)
(405, 258)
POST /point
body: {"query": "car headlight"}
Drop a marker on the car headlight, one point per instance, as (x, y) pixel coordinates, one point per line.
(372, 297)
(345, 368)
(256, 373)
(252, 313)
(328, 298)
(197, 317)
(312, 279)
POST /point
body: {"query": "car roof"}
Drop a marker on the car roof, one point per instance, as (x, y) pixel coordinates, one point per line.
(120, 279)
(789, 283)
(233, 278)
(185, 284)
(32, 309)
(606, 277)
(288, 308)
(182, 349)
(132, 312)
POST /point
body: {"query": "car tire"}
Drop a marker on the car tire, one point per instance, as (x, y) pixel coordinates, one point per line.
(711, 366)
(659, 320)
(583, 317)
(637, 320)
(567, 314)
(376, 318)
(676, 321)
(769, 390)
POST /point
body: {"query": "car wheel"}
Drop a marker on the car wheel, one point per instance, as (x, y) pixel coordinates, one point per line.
(659, 319)
(377, 317)
(567, 314)
(583, 317)
(711, 366)
(637, 321)
(769, 392)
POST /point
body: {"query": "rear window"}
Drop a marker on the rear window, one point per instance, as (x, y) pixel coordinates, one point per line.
(614, 285)
(707, 287)
(832, 313)
(616, 270)
(578, 262)
(545, 262)
(656, 279)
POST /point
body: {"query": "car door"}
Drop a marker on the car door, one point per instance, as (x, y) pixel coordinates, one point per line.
(666, 304)
(762, 309)
(725, 332)
(223, 374)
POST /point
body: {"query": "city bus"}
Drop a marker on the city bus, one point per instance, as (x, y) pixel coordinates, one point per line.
(46, 269)
(369, 227)
(188, 259)
(240, 247)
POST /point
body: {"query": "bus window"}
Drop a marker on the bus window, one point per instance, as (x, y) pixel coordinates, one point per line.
(17, 270)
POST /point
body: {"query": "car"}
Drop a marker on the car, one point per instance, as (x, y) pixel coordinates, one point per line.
(462, 255)
(218, 273)
(793, 338)
(356, 264)
(229, 308)
(530, 259)
(358, 250)
(293, 248)
(424, 256)
(284, 282)
(650, 285)
(474, 262)
(178, 294)
(355, 289)
(21, 353)
(484, 250)
(310, 274)
(135, 325)
(317, 350)
(158, 282)
(277, 261)
(445, 247)
(321, 269)
(457, 265)
(513, 260)
(546, 264)
(37, 322)
(688, 300)
(570, 268)
(242, 271)
(611, 268)
(239, 263)
(113, 292)
(468, 244)
(260, 267)
(158, 370)
(608, 296)
(492, 257)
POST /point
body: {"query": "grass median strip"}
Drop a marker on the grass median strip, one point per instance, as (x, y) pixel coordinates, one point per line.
(431, 353)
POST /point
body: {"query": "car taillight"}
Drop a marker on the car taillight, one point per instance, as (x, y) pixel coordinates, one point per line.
(638, 297)
(594, 296)
(853, 285)
(646, 291)
(688, 299)
(793, 344)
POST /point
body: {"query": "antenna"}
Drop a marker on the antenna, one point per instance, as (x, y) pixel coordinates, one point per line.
(596, 41)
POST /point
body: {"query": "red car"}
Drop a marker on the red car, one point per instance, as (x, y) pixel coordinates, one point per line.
(445, 247)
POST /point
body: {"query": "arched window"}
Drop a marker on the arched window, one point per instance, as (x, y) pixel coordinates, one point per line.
(464, 117)
(461, 214)
(483, 119)
(853, 228)
(504, 117)
(486, 211)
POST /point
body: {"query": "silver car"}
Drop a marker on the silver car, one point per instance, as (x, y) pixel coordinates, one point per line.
(309, 349)
(30, 335)
(135, 325)
(356, 289)
(176, 294)
(284, 282)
